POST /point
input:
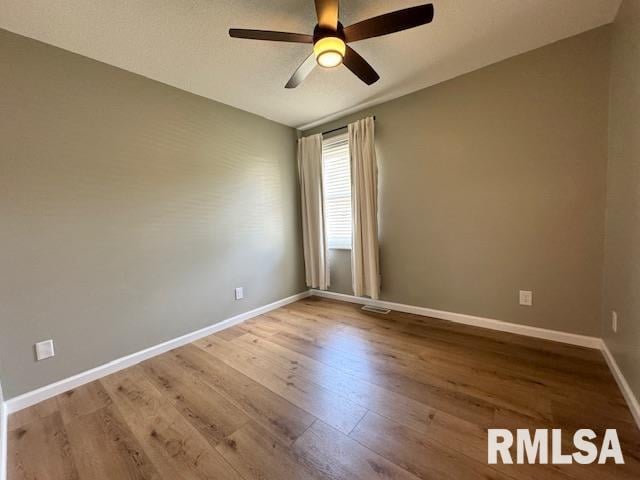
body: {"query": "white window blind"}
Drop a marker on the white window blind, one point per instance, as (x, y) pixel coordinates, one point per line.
(337, 190)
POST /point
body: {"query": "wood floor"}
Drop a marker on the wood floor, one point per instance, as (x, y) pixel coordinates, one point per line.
(321, 390)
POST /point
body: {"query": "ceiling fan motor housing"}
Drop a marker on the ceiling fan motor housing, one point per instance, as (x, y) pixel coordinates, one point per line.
(320, 32)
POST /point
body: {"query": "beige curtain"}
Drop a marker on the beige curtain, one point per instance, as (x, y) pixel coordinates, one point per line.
(365, 264)
(313, 227)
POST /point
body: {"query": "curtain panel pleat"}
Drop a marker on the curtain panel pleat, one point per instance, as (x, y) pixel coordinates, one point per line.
(312, 206)
(365, 263)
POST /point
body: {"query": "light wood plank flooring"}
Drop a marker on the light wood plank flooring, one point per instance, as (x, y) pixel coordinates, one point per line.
(321, 390)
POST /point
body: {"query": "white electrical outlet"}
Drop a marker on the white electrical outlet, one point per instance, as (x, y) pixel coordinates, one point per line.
(526, 298)
(44, 350)
(239, 293)
(614, 321)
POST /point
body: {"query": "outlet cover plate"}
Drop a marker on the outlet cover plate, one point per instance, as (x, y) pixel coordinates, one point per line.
(239, 293)
(44, 350)
(526, 298)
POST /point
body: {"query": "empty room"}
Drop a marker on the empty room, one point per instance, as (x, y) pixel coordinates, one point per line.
(330, 239)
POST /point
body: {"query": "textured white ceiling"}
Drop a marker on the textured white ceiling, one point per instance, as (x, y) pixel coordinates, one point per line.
(184, 43)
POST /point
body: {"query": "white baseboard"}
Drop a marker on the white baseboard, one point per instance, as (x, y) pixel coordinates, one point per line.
(3, 437)
(31, 398)
(627, 393)
(537, 332)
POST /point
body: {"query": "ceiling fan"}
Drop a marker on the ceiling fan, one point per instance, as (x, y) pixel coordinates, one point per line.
(330, 38)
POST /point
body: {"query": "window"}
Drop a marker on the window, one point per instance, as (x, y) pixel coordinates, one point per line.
(337, 191)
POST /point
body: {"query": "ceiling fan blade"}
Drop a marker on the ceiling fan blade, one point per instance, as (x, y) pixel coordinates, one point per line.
(327, 11)
(359, 66)
(269, 35)
(302, 72)
(389, 23)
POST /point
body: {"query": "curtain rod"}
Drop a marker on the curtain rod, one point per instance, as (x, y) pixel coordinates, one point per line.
(339, 128)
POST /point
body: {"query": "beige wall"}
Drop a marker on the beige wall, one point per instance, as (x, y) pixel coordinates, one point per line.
(622, 253)
(129, 211)
(495, 182)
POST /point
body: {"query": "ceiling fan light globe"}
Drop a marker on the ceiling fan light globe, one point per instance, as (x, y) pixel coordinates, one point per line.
(329, 59)
(329, 51)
